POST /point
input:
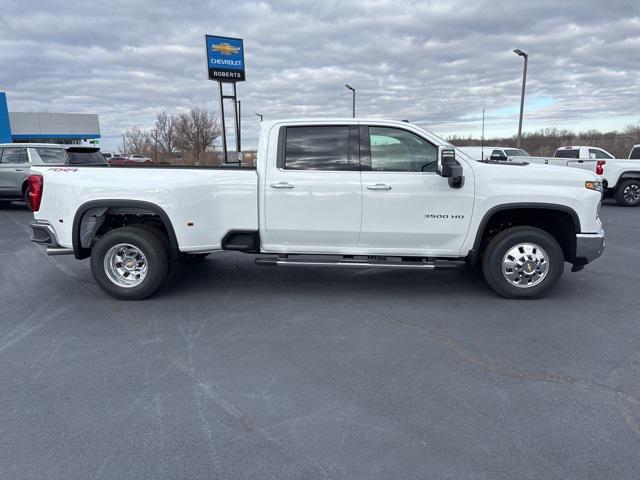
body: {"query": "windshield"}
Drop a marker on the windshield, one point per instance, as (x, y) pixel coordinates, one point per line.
(85, 156)
(516, 152)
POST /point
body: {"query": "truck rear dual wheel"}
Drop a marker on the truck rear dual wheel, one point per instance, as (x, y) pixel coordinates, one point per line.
(522, 262)
(627, 193)
(25, 196)
(130, 263)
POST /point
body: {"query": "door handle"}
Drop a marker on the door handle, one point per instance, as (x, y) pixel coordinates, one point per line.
(282, 185)
(378, 186)
(19, 169)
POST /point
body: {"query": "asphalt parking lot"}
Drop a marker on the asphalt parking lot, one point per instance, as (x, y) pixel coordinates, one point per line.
(240, 371)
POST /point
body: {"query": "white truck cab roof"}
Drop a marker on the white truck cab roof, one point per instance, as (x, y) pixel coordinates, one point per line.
(584, 151)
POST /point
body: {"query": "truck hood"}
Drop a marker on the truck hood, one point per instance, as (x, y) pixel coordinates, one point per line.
(553, 173)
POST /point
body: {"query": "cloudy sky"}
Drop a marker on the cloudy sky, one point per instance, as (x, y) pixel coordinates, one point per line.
(435, 63)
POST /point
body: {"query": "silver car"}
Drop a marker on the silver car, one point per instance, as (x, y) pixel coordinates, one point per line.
(16, 159)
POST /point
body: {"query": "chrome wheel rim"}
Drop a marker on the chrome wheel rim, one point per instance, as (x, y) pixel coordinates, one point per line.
(525, 265)
(631, 193)
(125, 265)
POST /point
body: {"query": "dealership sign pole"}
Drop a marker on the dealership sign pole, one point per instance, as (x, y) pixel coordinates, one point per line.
(225, 64)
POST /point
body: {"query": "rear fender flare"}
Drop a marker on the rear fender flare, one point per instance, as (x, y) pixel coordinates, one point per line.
(81, 252)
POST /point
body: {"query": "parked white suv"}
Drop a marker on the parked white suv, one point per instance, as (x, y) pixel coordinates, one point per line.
(327, 193)
(17, 158)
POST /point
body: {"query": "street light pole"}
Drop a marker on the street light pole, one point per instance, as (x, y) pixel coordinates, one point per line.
(524, 81)
(353, 91)
(239, 127)
(259, 115)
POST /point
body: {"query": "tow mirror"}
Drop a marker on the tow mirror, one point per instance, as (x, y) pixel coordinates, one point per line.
(448, 167)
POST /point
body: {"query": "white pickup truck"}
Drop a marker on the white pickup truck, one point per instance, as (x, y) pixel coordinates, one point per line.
(620, 176)
(337, 192)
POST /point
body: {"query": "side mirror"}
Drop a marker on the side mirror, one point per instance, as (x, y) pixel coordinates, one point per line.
(448, 167)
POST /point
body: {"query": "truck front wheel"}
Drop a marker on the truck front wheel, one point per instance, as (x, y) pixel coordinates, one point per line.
(130, 263)
(628, 193)
(522, 262)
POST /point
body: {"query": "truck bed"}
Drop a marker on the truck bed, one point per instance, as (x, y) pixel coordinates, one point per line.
(201, 202)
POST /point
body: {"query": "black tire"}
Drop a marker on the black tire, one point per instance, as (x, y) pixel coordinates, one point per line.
(154, 251)
(626, 198)
(501, 244)
(25, 197)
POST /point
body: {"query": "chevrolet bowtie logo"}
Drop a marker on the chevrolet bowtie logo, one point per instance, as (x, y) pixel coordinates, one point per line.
(225, 48)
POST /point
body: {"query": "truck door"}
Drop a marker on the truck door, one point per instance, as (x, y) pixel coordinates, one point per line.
(312, 196)
(14, 168)
(406, 206)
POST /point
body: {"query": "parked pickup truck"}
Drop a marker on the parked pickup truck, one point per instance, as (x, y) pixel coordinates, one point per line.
(493, 153)
(338, 192)
(620, 177)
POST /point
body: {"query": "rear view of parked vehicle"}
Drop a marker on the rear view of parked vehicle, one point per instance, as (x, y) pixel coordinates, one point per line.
(14, 170)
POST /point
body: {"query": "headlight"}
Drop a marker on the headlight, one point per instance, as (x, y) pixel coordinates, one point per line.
(593, 185)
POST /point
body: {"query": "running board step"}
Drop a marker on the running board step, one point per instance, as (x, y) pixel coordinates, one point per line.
(425, 265)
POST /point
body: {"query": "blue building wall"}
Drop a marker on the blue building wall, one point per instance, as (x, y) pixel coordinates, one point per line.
(5, 126)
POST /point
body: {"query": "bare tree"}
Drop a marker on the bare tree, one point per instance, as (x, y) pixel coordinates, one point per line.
(544, 142)
(166, 133)
(197, 131)
(137, 141)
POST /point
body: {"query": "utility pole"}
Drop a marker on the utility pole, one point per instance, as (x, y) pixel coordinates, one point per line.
(353, 107)
(482, 138)
(155, 134)
(524, 81)
(124, 145)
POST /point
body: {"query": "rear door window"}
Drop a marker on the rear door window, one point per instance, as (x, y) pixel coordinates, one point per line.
(52, 155)
(635, 153)
(597, 153)
(318, 148)
(14, 155)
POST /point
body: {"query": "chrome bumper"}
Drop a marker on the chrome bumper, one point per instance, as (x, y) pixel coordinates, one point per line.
(589, 246)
